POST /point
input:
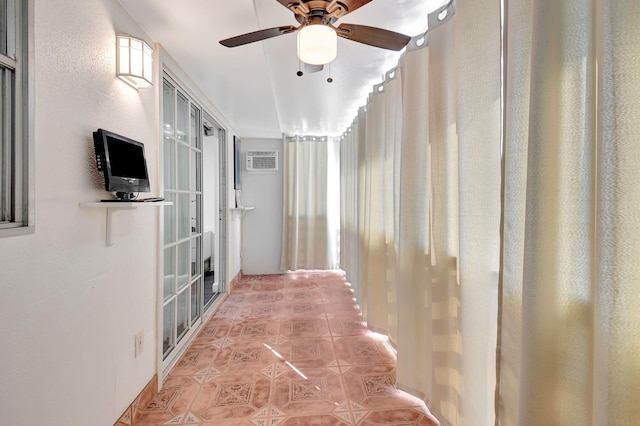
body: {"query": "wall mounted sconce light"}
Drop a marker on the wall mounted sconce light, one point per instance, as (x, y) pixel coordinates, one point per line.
(317, 44)
(134, 61)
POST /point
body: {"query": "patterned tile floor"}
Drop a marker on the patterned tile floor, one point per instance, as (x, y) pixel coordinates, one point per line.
(286, 350)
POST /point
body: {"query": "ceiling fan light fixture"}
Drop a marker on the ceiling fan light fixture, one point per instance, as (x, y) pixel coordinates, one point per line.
(317, 44)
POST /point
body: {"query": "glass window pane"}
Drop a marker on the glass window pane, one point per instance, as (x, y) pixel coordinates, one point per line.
(170, 218)
(196, 181)
(196, 221)
(3, 27)
(182, 325)
(168, 109)
(183, 166)
(183, 118)
(195, 300)
(169, 325)
(169, 154)
(183, 264)
(169, 272)
(184, 216)
(8, 28)
(7, 81)
(196, 261)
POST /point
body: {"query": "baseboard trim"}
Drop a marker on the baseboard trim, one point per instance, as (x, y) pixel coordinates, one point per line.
(143, 399)
(234, 281)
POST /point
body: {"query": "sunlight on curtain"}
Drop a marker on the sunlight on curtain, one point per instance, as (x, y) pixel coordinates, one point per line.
(570, 321)
(617, 293)
(352, 188)
(477, 35)
(424, 161)
(382, 131)
(430, 231)
(464, 134)
(414, 369)
(312, 204)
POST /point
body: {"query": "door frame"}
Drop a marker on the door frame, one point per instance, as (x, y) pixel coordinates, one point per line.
(164, 64)
(220, 228)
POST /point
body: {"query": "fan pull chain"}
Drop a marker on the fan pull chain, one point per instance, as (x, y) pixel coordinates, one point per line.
(330, 79)
(299, 73)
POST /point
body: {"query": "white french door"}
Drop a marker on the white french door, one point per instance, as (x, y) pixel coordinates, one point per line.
(194, 235)
(182, 245)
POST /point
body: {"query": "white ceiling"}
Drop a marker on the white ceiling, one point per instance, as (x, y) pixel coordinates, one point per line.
(255, 86)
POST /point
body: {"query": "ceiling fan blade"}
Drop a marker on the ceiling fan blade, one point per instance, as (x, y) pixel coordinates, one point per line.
(373, 36)
(257, 36)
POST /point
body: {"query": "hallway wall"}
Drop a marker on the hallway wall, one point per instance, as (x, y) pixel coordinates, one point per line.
(70, 306)
(262, 227)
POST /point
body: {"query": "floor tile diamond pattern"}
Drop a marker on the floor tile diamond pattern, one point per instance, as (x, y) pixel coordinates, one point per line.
(285, 350)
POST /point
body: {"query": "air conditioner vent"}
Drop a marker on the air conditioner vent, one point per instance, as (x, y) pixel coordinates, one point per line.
(262, 161)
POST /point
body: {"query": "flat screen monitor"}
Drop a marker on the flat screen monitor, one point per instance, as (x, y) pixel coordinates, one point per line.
(123, 163)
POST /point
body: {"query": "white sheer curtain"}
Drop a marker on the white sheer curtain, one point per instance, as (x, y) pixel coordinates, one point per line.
(567, 299)
(570, 329)
(430, 236)
(383, 130)
(311, 203)
(464, 137)
(352, 181)
(415, 336)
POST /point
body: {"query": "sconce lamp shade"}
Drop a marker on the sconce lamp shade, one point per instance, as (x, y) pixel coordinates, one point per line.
(134, 61)
(317, 44)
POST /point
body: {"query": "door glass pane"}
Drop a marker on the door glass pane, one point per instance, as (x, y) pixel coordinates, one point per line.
(6, 90)
(169, 272)
(184, 216)
(170, 219)
(168, 109)
(169, 325)
(3, 26)
(196, 222)
(183, 118)
(195, 301)
(195, 170)
(169, 153)
(183, 264)
(183, 166)
(182, 325)
(196, 262)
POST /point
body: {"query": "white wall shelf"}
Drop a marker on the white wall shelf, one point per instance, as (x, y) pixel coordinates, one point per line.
(114, 206)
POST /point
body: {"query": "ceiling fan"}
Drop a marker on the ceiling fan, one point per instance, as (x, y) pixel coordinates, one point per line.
(317, 36)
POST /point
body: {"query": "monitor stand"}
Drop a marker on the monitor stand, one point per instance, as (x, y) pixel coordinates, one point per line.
(121, 197)
(125, 196)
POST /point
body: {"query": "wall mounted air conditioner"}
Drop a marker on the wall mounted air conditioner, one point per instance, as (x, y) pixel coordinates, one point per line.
(262, 161)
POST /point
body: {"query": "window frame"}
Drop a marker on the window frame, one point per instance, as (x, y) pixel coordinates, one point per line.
(18, 165)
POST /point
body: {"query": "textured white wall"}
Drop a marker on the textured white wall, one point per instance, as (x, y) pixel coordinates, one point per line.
(262, 227)
(69, 306)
